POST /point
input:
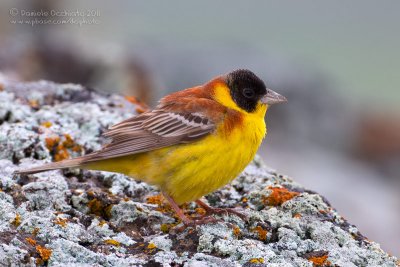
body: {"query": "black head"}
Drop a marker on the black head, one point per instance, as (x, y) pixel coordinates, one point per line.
(246, 89)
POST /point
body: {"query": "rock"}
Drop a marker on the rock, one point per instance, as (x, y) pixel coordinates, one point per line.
(89, 218)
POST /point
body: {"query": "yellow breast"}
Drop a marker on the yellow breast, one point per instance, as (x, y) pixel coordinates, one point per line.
(203, 167)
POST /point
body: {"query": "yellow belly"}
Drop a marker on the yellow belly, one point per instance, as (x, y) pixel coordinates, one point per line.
(187, 172)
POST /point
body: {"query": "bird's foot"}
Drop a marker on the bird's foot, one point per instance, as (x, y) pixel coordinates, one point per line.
(221, 211)
(189, 222)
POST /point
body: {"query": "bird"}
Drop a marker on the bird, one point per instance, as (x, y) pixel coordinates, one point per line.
(192, 143)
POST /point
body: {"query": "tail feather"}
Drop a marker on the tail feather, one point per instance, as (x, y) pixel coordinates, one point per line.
(69, 163)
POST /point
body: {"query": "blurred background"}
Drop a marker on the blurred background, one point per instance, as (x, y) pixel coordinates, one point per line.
(338, 63)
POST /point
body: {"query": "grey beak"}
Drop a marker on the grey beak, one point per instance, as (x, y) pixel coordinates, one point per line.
(272, 97)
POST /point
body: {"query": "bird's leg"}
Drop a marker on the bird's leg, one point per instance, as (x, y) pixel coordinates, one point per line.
(186, 221)
(219, 211)
(177, 210)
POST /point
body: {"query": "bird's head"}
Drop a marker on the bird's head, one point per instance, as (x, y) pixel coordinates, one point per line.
(248, 93)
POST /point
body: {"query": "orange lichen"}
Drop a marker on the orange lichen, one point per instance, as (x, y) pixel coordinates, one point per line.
(320, 261)
(60, 147)
(132, 99)
(200, 211)
(46, 124)
(279, 196)
(262, 233)
(140, 109)
(112, 242)
(256, 260)
(34, 103)
(30, 241)
(244, 200)
(61, 153)
(52, 141)
(297, 216)
(159, 201)
(156, 199)
(140, 106)
(44, 253)
(77, 148)
(61, 221)
(151, 246)
(163, 206)
(68, 142)
(17, 220)
(319, 258)
(236, 231)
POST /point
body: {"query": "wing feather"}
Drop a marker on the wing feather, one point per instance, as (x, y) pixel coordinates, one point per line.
(150, 131)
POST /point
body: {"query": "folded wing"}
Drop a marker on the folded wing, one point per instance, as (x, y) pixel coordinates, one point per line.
(150, 131)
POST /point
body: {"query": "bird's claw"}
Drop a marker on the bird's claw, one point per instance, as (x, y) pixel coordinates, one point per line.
(220, 211)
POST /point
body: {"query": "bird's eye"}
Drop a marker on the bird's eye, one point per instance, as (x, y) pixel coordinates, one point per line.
(248, 92)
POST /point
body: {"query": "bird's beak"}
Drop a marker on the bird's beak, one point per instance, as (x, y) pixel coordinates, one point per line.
(272, 97)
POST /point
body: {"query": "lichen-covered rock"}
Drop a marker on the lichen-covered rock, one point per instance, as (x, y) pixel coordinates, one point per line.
(88, 218)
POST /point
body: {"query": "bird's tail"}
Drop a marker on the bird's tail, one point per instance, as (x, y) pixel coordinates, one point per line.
(69, 163)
